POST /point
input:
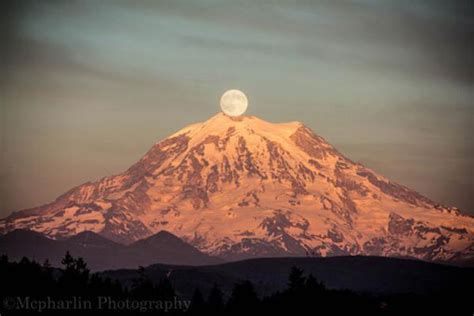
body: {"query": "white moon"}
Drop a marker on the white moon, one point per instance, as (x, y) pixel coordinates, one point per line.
(234, 102)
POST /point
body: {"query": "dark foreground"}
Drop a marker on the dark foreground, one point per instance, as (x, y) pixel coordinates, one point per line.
(319, 286)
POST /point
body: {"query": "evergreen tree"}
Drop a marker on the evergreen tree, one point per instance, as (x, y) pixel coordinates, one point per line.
(296, 280)
(313, 285)
(75, 275)
(46, 264)
(243, 298)
(165, 290)
(142, 287)
(3, 259)
(68, 261)
(198, 305)
(215, 301)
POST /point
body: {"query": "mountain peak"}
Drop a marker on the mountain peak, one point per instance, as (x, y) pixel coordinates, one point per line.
(162, 236)
(168, 248)
(221, 124)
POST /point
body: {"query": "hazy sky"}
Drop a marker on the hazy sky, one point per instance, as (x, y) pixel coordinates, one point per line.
(88, 86)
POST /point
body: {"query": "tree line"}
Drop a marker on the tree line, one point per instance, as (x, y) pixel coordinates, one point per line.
(75, 284)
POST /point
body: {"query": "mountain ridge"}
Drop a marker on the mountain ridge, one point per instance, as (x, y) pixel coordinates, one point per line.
(363, 274)
(101, 253)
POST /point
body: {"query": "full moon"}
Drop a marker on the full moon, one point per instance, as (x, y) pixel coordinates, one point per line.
(234, 103)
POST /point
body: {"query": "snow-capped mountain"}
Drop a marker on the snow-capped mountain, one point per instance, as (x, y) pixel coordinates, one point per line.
(243, 187)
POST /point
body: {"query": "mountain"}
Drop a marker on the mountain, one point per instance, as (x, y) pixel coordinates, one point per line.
(243, 187)
(88, 239)
(376, 275)
(19, 243)
(164, 247)
(101, 253)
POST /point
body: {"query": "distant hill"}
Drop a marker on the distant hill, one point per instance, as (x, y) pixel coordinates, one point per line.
(165, 247)
(379, 275)
(101, 253)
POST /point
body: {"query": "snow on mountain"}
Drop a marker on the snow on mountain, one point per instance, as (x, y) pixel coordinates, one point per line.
(243, 187)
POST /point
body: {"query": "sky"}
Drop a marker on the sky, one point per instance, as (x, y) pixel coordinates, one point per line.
(87, 87)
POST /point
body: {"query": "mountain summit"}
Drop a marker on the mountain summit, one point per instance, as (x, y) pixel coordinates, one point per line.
(239, 187)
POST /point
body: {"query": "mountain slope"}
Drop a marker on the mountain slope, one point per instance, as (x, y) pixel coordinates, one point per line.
(101, 253)
(242, 187)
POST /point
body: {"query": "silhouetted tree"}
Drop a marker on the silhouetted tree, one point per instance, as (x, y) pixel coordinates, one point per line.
(303, 294)
(75, 275)
(296, 280)
(243, 298)
(142, 287)
(68, 261)
(46, 264)
(198, 305)
(313, 286)
(165, 290)
(3, 259)
(215, 301)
